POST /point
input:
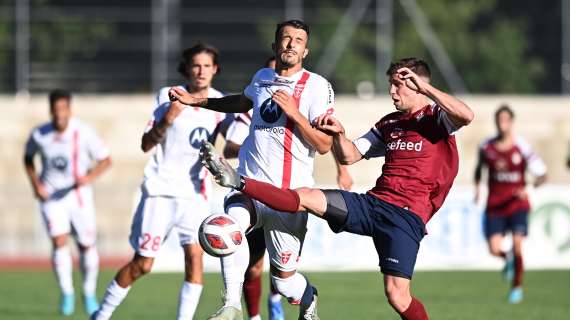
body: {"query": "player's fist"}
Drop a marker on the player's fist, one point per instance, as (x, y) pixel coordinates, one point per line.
(185, 97)
(173, 112)
(329, 124)
(40, 192)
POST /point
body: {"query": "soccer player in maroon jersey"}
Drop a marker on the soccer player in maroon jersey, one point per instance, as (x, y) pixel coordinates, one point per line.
(421, 162)
(507, 158)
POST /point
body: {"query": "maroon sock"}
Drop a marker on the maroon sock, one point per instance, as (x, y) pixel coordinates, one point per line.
(519, 270)
(252, 295)
(415, 311)
(278, 199)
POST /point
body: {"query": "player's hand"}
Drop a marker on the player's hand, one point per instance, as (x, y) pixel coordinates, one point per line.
(174, 111)
(412, 80)
(286, 102)
(40, 192)
(183, 96)
(521, 193)
(343, 179)
(329, 124)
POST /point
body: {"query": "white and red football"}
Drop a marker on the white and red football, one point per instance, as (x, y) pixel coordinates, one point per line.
(220, 235)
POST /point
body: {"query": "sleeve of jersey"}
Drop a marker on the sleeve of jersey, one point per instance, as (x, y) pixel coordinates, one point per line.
(534, 163)
(31, 146)
(323, 100)
(161, 105)
(238, 131)
(251, 89)
(97, 148)
(443, 120)
(371, 144)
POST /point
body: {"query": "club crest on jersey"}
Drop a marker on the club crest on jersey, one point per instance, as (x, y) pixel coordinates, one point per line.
(198, 135)
(59, 163)
(398, 132)
(298, 90)
(270, 111)
(285, 256)
(516, 158)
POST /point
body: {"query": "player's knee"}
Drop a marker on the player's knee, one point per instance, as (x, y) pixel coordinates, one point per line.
(142, 265)
(282, 285)
(59, 241)
(255, 270)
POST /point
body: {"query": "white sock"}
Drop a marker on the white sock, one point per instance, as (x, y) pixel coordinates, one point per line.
(114, 295)
(90, 268)
(291, 288)
(188, 300)
(257, 317)
(235, 265)
(63, 268)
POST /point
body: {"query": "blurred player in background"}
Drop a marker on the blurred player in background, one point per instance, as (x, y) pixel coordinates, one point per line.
(507, 158)
(68, 148)
(236, 134)
(174, 189)
(280, 150)
(421, 162)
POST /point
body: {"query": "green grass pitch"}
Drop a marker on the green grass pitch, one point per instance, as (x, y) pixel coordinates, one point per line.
(346, 295)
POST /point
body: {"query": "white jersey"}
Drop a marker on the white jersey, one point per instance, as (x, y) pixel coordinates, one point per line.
(65, 156)
(238, 130)
(175, 169)
(274, 151)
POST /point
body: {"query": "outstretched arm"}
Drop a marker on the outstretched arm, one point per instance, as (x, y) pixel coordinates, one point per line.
(236, 103)
(101, 166)
(344, 149)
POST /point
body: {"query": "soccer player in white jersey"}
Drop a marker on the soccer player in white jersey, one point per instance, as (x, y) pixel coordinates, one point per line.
(68, 148)
(280, 150)
(174, 189)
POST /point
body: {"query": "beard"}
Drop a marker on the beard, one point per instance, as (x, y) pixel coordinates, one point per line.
(289, 61)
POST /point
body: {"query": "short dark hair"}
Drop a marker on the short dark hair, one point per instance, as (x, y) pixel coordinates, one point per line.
(272, 58)
(189, 53)
(418, 66)
(297, 24)
(504, 108)
(58, 94)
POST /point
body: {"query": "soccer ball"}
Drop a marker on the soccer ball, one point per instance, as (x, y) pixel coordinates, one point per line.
(220, 235)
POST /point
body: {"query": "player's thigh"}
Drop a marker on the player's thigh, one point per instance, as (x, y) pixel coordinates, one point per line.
(397, 250)
(83, 221)
(284, 235)
(494, 226)
(189, 214)
(518, 223)
(56, 217)
(153, 220)
(256, 243)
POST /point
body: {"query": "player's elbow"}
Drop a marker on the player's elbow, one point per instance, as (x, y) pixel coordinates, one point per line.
(467, 116)
(324, 147)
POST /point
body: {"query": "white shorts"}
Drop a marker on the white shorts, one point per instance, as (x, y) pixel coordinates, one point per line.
(284, 234)
(156, 216)
(73, 213)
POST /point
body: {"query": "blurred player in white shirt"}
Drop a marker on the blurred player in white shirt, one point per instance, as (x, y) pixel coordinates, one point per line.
(175, 189)
(68, 148)
(280, 150)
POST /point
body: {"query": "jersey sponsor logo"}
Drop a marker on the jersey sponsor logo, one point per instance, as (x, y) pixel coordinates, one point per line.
(508, 176)
(501, 164)
(276, 130)
(405, 146)
(398, 132)
(59, 163)
(270, 111)
(197, 136)
(393, 260)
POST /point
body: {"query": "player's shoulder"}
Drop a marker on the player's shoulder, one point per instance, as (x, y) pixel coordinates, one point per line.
(487, 142)
(389, 118)
(264, 74)
(82, 126)
(317, 79)
(215, 93)
(522, 144)
(41, 130)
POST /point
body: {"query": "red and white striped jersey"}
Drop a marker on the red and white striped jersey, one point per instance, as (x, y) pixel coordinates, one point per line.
(175, 169)
(65, 156)
(274, 151)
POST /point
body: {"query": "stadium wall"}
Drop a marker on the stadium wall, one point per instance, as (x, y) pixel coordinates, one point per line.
(543, 120)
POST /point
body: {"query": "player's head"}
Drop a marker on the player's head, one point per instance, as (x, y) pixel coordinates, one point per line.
(291, 42)
(270, 62)
(504, 118)
(60, 108)
(198, 65)
(404, 98)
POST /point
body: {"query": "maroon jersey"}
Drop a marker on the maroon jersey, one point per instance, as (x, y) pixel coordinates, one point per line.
(506, 176)
(421, 159)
